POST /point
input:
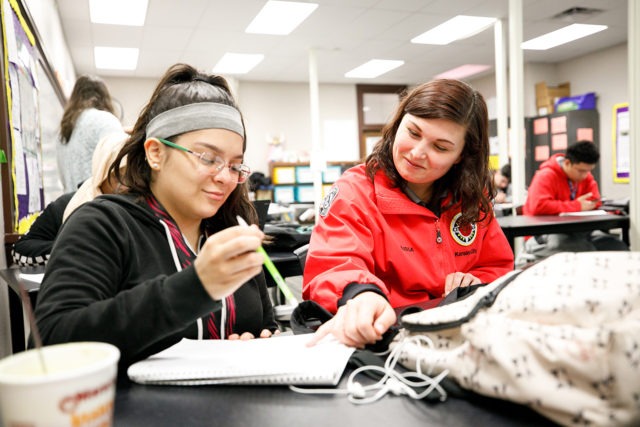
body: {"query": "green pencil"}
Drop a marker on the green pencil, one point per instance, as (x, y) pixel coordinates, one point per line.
(277, 277)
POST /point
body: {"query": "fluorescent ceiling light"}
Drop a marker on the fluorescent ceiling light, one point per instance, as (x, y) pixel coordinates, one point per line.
(463, 71)
(116, 58)
(562, 36)
(237, 63)
(457, 28)
(118, 12)
(373, 68)
(280, 17)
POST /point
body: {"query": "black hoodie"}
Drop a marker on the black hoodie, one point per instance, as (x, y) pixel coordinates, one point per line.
(111, 277)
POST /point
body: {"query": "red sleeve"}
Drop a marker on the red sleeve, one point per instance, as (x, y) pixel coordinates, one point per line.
(546, 196)
(591, 186)
(340, 250)
(496, 256)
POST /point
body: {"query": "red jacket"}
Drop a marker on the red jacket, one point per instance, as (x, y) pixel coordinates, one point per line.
(549, 192)
(372, 233)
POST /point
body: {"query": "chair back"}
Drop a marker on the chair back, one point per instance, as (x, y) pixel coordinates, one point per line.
(301, 253)
(262, 208)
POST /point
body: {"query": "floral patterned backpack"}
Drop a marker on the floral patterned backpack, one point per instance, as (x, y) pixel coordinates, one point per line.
(562, 337)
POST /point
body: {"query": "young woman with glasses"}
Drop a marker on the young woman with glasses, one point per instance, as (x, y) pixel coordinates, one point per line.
(166, 259)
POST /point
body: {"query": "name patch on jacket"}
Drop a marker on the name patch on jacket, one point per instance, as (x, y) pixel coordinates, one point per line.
(328, 200)
(463, 234)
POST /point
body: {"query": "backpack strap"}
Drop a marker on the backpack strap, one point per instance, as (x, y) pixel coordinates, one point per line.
(454, 314)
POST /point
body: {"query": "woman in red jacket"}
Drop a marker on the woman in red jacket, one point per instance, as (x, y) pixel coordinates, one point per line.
(412, 223)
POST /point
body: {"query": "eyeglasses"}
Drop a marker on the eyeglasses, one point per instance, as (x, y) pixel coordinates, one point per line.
(237, 170)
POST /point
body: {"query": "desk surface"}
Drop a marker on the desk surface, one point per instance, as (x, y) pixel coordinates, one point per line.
(522, 221)
(19, 328)
(266, 406)
(12, 277)
(524, 225)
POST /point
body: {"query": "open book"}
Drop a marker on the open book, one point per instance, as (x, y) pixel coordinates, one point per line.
(278, 360)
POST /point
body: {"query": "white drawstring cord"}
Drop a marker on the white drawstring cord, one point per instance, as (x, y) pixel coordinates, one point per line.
(176, 261)
(392, 381)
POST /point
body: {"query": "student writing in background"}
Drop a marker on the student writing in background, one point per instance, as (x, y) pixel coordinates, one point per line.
(564, 183)
(166, 259)
(34, 248)
(502, 183)
(412, 223)
(88, 116)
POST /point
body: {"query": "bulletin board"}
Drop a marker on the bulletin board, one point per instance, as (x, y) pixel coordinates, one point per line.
(25, 70)
(553, 133)
(621, 141)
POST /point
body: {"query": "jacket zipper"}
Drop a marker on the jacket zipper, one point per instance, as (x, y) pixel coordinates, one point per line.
(438, 235)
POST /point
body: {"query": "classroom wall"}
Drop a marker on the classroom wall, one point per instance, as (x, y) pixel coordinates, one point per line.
(271, 110)
(282, 109)
(603, 72)
(47, 20)
(132, 94)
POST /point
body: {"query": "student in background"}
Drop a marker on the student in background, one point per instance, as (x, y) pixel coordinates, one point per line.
(564, 183)
(412, 223)
(101, 181)
(88, 116)
(165, 260)
(34, 248)
(502, 183)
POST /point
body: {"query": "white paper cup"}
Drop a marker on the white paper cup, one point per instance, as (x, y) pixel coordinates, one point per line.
(78, 389)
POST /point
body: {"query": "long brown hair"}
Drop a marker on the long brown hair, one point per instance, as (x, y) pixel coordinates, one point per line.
(88, 92)
(469, 180)
(181, 85)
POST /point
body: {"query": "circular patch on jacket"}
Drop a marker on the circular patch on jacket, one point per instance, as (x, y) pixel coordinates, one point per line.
(328, 200)
(463, 234)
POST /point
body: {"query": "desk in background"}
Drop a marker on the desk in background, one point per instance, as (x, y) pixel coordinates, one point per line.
(271, 406)
(503, 209)
(11, 276)
(524, 225)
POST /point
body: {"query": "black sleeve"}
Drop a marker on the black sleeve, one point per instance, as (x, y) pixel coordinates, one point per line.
(353, 289)
(109, 279)
(34, 247)
(268, 315)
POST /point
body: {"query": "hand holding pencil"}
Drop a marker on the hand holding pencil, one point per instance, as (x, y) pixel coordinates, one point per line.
(277, 277)
(228, 259)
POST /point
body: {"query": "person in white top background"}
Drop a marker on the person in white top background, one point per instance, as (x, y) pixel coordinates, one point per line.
(88, 117)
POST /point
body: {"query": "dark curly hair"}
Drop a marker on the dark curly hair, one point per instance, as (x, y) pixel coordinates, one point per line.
(181, 85)
(469, 180)
(583, 152)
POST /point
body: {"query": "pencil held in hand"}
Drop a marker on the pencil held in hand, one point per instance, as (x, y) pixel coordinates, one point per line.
(277, 277)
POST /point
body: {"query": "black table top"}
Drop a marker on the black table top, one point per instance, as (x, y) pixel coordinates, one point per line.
(515, 221)
(267, 406)
(523, 225)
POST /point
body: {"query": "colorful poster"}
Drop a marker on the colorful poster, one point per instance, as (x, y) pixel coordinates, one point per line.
(621, 143)
(559, 142)
(584, 134)
(559, 124)
(541, 153)
(540, 126)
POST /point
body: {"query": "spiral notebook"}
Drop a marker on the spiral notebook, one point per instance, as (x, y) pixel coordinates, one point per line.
(282, 360)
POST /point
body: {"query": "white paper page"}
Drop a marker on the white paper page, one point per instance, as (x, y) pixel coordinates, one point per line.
(585, 213)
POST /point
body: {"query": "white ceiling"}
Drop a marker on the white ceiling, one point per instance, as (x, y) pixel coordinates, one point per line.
(343, 33)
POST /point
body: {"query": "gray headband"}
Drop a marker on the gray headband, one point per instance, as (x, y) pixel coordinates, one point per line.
(190, 117)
